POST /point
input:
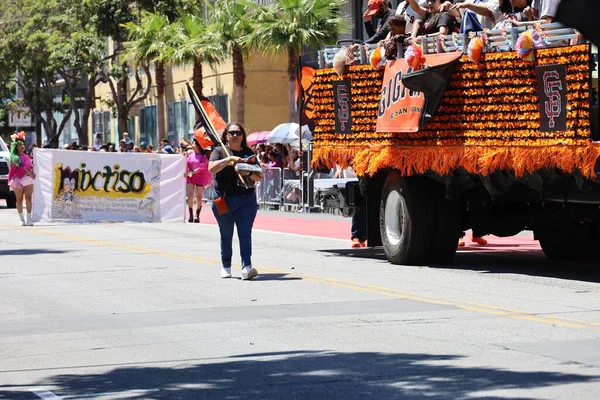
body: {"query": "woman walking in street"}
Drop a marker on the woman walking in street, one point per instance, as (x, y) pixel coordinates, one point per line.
(21, 176)
(198, 177)
(235, 202)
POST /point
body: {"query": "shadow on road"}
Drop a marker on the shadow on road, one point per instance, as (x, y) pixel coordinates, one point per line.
(497, 259)
(31, 252)
(372, 253)
(276, 277)
(309, 375)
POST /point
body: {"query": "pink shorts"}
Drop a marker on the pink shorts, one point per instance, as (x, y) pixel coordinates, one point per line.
(20, 183)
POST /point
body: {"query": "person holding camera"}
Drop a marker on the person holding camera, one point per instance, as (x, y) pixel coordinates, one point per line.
(235, 196)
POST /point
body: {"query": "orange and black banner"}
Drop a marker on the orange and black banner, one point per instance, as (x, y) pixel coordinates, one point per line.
(307, 104)
(400, 108)
(342, 103)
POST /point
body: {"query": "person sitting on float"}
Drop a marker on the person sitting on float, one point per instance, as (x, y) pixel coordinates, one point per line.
(397, 35)
(382, 10)
(540, 12)
(405, 11)
(477, 15)
(435, 20)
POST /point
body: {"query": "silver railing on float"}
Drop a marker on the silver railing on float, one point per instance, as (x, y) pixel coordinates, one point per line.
(499, 40)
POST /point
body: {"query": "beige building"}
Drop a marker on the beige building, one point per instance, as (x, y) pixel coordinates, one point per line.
(265, 101)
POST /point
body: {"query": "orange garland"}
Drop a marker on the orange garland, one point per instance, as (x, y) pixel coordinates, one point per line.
(488, 120)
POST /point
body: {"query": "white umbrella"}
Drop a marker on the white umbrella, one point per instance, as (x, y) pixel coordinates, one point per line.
(288, 133)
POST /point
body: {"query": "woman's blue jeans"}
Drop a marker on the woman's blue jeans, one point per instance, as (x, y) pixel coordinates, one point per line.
(242, 213)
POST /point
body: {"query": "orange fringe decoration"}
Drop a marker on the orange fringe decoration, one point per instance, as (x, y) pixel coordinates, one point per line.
(488, 121)
(484, 160)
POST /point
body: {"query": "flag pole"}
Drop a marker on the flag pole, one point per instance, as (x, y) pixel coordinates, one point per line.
(210, 128)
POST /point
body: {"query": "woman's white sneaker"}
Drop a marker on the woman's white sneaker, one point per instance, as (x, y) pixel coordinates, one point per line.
(249, 273)
(225, 272)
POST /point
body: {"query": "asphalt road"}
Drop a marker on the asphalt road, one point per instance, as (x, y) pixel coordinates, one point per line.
(138, 311)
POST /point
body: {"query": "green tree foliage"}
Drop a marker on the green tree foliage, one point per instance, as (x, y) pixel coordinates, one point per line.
(289, 26)
(35, 39)
(150, 41)
(233, 20)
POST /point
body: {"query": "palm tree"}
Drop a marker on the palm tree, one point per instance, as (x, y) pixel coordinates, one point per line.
(149, 41)
(232, 20)
(289, 26)
(192, 43)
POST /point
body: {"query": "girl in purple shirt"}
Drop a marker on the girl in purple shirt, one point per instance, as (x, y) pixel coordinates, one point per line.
(21, 176)
(197, 177)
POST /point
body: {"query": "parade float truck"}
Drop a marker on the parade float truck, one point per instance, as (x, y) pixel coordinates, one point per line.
(498, 140)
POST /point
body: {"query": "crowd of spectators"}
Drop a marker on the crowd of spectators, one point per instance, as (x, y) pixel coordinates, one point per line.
(416, 18)
(126, 145)
(279, 155)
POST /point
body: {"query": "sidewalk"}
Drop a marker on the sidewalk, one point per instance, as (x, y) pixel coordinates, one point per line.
(319, 225)
(330, 226)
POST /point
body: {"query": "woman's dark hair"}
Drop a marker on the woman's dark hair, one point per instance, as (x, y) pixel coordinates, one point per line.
(228, 128)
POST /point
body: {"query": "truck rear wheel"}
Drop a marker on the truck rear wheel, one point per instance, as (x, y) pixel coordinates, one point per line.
(405, 219)
(11, 200)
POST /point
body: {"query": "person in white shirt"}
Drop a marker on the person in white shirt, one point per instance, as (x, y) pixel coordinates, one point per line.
(404, 9)
(548, 10)
(487, 11)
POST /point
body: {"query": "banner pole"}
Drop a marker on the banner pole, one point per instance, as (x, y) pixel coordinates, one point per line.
(202, 112)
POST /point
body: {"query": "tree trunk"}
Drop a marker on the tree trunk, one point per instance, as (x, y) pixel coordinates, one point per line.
(197, 78)
(239, 79)
(38, 130)
(161, 105)
(38, 115)
(87, 109)
(292, 78)
(122, 121)
(81, 135)
(123, 105)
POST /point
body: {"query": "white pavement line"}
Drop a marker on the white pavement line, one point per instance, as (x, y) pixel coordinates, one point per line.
(133, 392)
(45, 394)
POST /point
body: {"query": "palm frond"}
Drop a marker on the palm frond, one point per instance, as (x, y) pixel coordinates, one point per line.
(295, 24)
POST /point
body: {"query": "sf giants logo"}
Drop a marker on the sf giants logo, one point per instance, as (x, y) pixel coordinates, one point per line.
(552, 88)
(343, 98)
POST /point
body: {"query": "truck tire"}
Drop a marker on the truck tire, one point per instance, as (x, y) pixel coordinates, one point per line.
(446, 228)
(405, 219)
(11, 200)
(564, 244)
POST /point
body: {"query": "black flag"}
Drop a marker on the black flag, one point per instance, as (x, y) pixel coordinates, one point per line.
(203, 119)
(581, 15)
(432, 82)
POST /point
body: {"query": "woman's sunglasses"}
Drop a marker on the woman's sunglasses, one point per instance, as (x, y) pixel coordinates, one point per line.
(234, 133)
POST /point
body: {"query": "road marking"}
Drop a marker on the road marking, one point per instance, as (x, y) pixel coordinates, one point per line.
(132, 392)
(45, 394)
(388, 292)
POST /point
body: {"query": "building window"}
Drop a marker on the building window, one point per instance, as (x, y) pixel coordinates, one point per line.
(131, 128)
(191, 120)
(177, 117)
(101, 125)
(148, 126)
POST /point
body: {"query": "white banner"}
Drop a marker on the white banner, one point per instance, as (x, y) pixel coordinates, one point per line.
(82, 186)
